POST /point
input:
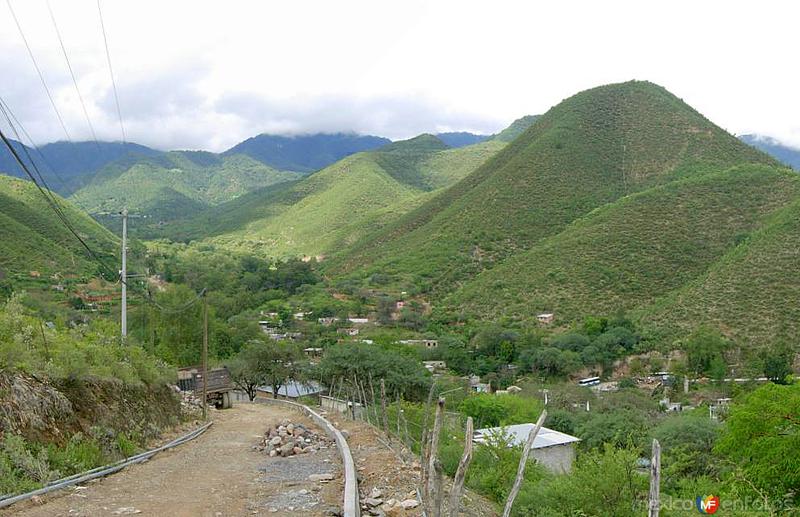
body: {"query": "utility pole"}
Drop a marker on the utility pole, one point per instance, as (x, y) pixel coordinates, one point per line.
(124, 274)
(205, 355)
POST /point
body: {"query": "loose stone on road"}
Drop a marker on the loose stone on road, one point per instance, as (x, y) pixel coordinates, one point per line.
(221, 473)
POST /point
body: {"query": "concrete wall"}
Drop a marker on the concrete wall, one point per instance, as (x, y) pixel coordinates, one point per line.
(556, 458)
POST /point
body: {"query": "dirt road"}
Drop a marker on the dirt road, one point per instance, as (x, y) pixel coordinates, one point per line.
(218, 474)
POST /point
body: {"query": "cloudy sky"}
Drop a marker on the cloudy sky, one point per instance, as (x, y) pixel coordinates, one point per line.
(206, 74)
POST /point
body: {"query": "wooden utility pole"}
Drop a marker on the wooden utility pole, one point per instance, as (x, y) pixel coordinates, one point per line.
(124, 275)
(44, 342)
(655, 480)
(523, 462)
(461, 471)
(205, 356)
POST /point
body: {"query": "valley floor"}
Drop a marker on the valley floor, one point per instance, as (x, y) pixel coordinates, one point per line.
(218, 474)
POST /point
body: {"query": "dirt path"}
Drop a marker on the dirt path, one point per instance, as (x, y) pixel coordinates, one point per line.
(218, 474)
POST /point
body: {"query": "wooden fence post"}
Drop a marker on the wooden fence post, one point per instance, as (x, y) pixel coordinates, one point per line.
(523, 462)
(433, 452)
(461, 471)
(383, 408)
(655, 479)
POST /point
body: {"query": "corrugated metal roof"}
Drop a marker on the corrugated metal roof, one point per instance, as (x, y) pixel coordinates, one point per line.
(518, 435)
(294, 389)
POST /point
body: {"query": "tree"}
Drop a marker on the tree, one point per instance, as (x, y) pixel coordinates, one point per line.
(778, 364)
(260, 363)
(704, 349)
(402, 373)
(687, 444)
(761, 438)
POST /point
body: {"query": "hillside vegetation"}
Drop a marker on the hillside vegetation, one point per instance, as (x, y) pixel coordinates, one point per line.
(35, 240)
(175, 184)
(305, 153)
(334, 207)
(627, 254)
(67, 165)
(588, 151)
(750, 294)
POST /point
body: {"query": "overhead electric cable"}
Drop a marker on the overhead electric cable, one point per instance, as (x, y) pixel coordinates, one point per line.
(39, 71)
(72, 74)
(111, 71)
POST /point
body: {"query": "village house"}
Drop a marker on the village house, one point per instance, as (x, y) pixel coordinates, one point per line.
(427, 343)
(292, 390)
(552, 449)
(313, 352)
(328, 321)
(545, 318)
(348, 331)
(434, 366)
(358, 321)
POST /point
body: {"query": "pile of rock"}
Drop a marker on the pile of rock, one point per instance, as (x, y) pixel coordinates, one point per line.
(375, 504)
(287, 439)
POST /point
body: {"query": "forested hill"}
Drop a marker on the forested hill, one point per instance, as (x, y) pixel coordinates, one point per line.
(34, 239)
(305, 153)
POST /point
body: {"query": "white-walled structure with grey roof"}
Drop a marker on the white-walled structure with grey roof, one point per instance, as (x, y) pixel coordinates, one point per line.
(553, 449)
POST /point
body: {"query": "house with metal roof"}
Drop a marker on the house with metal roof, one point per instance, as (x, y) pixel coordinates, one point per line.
(553, 449)
(293, 390)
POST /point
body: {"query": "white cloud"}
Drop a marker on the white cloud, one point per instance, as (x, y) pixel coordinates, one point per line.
(206, 74)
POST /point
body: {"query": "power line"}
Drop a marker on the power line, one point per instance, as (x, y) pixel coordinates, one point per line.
(110, 71)
(50, 201)
(38, 151)
(39, 71)
(72, 74)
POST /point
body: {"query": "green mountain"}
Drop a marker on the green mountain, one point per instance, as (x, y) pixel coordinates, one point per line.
(34, 239)
(588, 151)
(305, 153)
(175, 184)
(334, 207)
(65, 165)
(627, 254)
(750, 293)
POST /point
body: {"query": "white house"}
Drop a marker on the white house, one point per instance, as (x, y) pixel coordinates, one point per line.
(358, 321)
(553, 449)
(546, 317)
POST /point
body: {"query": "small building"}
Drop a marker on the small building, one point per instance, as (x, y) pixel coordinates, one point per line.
(358, 321)
(300, 316)
(351, 331)
(670, 407)
(269, 314)
(433, 366)
(427, 343)
(553, 449)
(35, 274)
(482, 387)
(367, 341)
(313, 351)
(399, 305)
(546, 318)
(328, 321)
(292, 390)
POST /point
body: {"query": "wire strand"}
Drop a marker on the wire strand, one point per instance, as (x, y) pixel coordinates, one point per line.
(72, 74)
(111, 72)
(38, 70)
